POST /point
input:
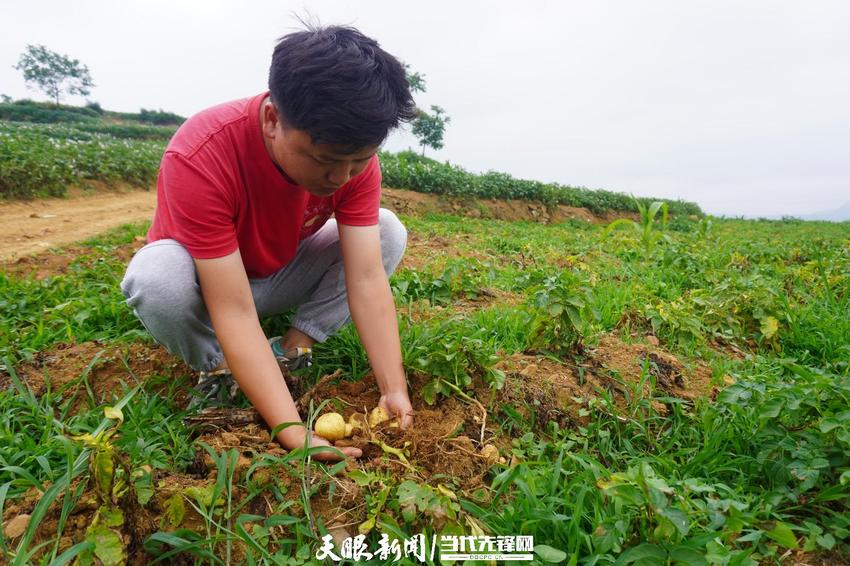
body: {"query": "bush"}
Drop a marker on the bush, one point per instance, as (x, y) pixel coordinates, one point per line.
(160, 117)
(44, 113)
(95, 106)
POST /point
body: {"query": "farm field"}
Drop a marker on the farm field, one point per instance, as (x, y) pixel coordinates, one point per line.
(622, 387)
(676, 398)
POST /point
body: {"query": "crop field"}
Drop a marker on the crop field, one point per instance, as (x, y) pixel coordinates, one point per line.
(619, 386)
(654, 394)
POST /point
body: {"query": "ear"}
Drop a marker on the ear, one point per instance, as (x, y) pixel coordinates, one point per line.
(271, 120)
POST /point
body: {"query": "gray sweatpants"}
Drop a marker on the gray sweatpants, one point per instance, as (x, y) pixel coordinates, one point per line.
(161, 286)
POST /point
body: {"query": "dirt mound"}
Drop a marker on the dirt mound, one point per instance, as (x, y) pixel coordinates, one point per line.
(556, 390)
(512, 210)
(626, 361)
(73, 369)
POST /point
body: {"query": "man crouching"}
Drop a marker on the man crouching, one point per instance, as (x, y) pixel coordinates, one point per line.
(242, 228)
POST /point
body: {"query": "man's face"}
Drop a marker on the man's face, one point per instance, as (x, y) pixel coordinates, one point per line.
(319, 169)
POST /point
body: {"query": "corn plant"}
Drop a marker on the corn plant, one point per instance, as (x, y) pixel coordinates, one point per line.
(647, 230)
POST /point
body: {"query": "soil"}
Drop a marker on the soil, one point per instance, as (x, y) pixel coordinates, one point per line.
(560, 390)
(34, 226)
(417, 204)
(58, 262)
(67, 368)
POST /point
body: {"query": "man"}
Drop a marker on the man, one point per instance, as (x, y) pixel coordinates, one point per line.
(242, 227)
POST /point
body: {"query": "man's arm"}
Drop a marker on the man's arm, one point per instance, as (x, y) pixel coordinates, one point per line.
(227, 295)
(370, 301)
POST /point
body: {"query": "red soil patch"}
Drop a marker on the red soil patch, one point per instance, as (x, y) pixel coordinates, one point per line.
(557, 391)
(104, 367)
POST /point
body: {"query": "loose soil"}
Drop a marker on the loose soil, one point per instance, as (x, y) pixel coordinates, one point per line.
(68, 368)
(562, 390)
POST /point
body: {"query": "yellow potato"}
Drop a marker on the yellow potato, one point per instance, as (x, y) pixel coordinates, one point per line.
(331, 426)
(377, 416)
(357, 420)
(490, 453)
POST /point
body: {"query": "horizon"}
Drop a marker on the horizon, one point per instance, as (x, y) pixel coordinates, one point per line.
(753, 126)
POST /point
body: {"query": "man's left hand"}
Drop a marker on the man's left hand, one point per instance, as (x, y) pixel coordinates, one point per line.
(397, 404)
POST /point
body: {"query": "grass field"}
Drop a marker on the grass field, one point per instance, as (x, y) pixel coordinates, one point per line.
(675, 396)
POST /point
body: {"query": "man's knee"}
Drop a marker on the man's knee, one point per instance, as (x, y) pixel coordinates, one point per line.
(393, 239)
(161, 281)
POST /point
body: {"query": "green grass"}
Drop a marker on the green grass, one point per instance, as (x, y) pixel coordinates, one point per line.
(762, 470)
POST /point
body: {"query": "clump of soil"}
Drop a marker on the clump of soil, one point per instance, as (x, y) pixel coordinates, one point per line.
(65, 367)
(556, 390)
(512, 210)
(670, 374)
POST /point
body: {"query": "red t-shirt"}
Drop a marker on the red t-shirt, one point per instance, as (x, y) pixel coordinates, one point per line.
(218, 190)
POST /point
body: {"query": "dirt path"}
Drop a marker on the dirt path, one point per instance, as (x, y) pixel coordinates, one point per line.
(30, 227)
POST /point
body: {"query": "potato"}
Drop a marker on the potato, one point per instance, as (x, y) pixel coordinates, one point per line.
(377, 416)
(357, 420)
(490, 453)
(331, 426)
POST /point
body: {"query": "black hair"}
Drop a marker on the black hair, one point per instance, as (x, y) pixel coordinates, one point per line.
(339, 87)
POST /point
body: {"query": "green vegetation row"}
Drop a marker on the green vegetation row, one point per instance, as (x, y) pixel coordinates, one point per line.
(44, 159)
(408, 170)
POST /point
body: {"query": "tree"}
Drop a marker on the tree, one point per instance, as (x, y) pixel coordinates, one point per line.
(53, 73)
(429, 128)
(415, 80)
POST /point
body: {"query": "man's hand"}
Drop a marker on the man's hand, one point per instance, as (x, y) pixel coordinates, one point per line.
(397, 404)
(294, 441)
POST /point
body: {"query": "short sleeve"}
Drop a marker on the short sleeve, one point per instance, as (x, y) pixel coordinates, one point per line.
(201, 216)
(361, 202)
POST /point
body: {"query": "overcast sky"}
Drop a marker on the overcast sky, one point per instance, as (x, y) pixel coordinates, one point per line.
(743, 107)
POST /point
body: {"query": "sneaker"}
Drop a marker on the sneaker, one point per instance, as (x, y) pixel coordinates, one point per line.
(214, 388)
(289, 361)
(218, 388)
(292, 359)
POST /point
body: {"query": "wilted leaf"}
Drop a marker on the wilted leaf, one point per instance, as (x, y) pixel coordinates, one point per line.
(113, 413)
(769, 326)
(108, 546)
(175, 510)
